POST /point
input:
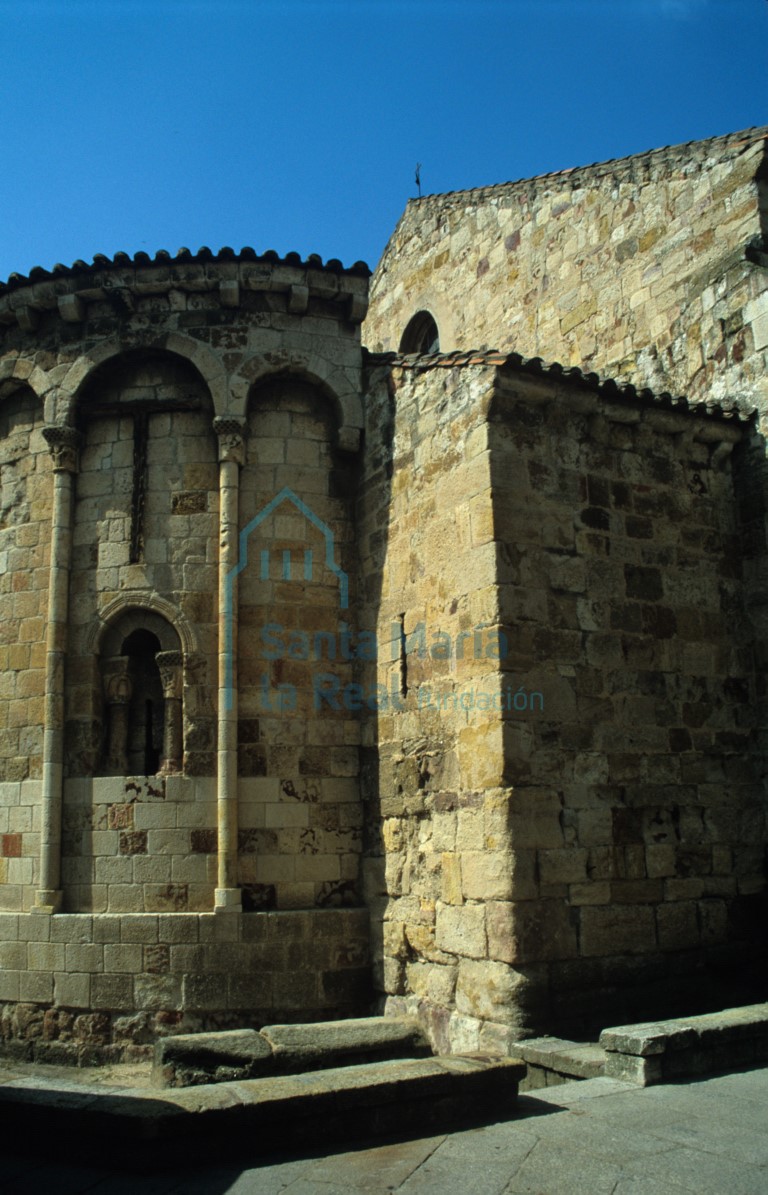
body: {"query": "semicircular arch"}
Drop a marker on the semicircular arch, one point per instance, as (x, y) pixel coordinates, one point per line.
(337, 384)
(142, 603)
(199, 356)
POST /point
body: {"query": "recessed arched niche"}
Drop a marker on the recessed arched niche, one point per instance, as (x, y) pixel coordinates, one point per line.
(25, 465)
(144, 523)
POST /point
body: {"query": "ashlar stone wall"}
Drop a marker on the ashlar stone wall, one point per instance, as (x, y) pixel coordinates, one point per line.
(637, 791)
(649, 269)
(598, 841)
(145, 523)
(25, 514)
(86, 989)
(438, 845)
(299, 736)
(135, 797)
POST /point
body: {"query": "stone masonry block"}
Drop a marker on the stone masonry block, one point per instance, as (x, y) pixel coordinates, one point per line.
(72, 927)
(46, 956)
(450, 871)
(9, 927)
(9, 985)
(487, 990)
(112, 992)
(123, 958)
(157, 992)
(563, 866)
(178, 928)
(72, 991)
(461, 930)
(139, 928)
(624, 929)
(124, 898)
(36, 987)
(13, 955)
(488, 875)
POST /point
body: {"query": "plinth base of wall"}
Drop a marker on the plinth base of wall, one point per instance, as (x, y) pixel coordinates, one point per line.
(91, 988)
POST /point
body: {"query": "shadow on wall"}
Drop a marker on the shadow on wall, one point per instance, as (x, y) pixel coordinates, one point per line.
(632, 574)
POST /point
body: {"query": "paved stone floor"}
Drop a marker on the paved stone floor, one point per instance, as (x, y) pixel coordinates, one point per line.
(599, 1137)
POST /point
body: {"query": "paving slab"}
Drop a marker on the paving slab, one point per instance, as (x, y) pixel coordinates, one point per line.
(387, 1166)
(702, 1172)
(557, 1171)
(478, 1162)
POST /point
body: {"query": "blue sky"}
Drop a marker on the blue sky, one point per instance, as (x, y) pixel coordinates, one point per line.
(296, 125)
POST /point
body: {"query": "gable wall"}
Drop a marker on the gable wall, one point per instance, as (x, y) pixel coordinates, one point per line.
(634, 269)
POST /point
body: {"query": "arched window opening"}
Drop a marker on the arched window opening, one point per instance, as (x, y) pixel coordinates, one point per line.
(421, 335)
(143, 697)
(145, 717)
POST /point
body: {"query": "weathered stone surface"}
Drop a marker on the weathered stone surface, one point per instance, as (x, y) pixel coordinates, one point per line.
(619, 311)
(633, 1068)
(617, 930)
(564, 1058)
(191, 1059)
(336, 1043)
(376, 1098)
(687, 1046)
(185, 1060)
(461, 930)
(489, 991)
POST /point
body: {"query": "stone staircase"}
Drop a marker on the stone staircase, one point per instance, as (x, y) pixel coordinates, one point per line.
(286, 1088)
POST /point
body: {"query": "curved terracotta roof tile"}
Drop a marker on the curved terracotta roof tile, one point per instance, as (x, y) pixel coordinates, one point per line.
(162, 257)
(559, 372)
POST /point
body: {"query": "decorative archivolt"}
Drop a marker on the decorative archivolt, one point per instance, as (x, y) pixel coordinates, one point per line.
(138, 601)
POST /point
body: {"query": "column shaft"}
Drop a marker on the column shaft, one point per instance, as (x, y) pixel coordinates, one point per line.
(230, 434)
(62, 442)
(171, 665)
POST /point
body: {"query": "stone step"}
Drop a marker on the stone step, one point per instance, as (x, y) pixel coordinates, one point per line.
(258, 1116)
(657, 1051)
(555, 1060)
(190, 1059)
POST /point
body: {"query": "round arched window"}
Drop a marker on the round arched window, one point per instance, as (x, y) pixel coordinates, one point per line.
(421, 335)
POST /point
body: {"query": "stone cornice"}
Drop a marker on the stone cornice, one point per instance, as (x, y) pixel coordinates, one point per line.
(225, 279)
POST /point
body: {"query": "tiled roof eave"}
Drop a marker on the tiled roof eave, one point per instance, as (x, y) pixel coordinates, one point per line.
(555, 372)
(184, 256)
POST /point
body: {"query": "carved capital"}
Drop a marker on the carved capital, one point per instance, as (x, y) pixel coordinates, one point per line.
(63, 443)
(231, 434)
(118, 686)
(170, 666)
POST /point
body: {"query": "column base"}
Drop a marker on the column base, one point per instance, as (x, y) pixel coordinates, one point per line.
(48, 900)
(170, 767)
(228, 900)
